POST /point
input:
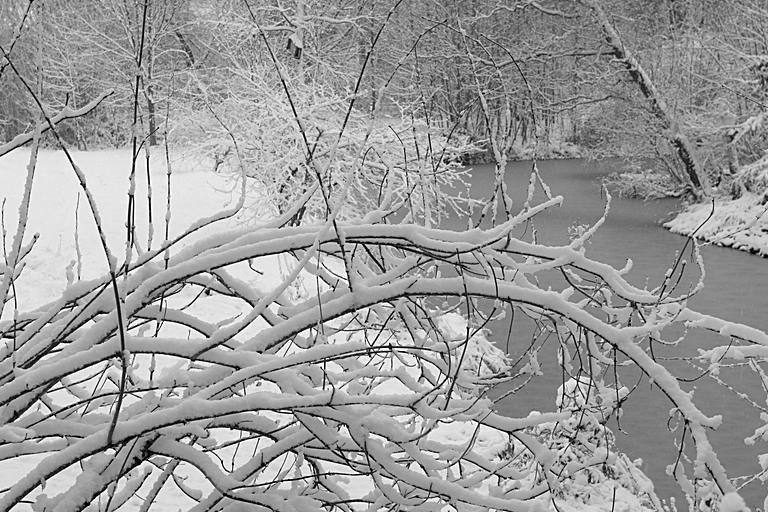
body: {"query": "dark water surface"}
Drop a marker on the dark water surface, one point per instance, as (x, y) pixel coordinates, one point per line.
(736, 288)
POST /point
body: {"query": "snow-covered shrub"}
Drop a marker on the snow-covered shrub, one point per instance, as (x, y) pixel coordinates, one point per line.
(643, 184)
(482, 357)
(285, 145)
(593, 472)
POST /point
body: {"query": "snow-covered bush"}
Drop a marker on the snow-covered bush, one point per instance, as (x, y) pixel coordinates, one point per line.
(251, 125)
(583, 442)
(643, 184)
(289, 119)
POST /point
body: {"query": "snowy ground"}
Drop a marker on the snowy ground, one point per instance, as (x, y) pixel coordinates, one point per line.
(738, 223)
(196, 193)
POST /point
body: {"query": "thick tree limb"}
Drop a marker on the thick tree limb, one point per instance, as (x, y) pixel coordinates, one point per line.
(695, 176)
(66, 113)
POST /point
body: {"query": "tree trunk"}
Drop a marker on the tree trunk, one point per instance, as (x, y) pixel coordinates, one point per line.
(733, 159)
(694, 172)
(149, 93)
(189, 55)
(152, 114)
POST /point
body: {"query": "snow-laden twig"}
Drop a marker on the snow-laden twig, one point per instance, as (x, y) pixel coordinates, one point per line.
(66, 113)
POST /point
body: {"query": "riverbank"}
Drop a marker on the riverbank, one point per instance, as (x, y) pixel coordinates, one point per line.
(736, 223)
(558, 150)
(738, 220)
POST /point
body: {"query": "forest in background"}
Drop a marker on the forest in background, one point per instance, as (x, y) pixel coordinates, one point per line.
(549, 75)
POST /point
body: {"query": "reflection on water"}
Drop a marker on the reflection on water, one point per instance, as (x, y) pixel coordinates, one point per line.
(735, 288)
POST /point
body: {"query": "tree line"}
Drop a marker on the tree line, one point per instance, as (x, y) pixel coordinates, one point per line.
(548, 70)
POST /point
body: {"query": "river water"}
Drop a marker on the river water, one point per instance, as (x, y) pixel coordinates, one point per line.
(736, 288)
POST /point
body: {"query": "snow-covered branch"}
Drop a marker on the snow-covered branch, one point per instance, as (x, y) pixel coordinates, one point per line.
(319, 382)
(66, 113)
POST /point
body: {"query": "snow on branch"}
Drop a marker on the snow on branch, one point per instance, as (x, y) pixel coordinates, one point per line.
(65, 114)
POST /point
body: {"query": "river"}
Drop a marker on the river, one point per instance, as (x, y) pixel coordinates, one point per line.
(736, 288)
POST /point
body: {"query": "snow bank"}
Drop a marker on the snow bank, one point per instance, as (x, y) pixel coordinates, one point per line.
(738, 220)
(738, 223)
